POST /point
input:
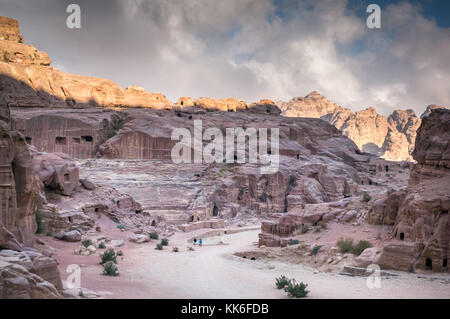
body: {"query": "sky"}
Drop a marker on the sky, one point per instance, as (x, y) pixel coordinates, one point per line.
(253, 49)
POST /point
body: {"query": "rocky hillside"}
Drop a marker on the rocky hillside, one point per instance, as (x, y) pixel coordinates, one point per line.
(391, 138)
(419, 215)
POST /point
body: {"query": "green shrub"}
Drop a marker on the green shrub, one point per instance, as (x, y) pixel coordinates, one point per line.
(345, 245)
(316, 249)
(154, 235)
(305, 229)
(292, 180)
(164, 242)
(110, 269)
(241, 193)
(282, 282)
(360, 247)
(263, 198)
(102, 245)
(159, 247)
(86, 243)
(121, 227)
(40, 227)
(108, 255)
(296, 290)
(322, 224)
(293, 242)
(366, 197)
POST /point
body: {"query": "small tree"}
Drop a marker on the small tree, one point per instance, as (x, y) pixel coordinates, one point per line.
(159, 247)
(305, 229)
(108, 255)
(296, 290)
(40, 226)
(164, 242)
(110, 269)
(281, 282)
(154, 235)
(316, 249)
(86, 243)
(345, 245)
(366, 197)
(360, 247)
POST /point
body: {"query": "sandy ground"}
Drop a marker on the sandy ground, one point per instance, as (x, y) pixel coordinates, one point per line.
(214, 272)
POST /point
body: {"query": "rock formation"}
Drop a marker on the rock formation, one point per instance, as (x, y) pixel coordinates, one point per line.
(419, 215)
(391, 138)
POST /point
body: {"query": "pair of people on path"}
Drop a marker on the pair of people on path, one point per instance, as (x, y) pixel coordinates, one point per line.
(200, 242)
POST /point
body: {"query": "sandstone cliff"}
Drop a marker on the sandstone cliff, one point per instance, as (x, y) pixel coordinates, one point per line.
(391, 138)
(419, 215)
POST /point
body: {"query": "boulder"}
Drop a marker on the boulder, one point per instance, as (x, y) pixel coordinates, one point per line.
(71, 236)
(87, 184)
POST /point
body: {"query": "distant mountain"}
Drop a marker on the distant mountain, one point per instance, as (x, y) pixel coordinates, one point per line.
(391, 138)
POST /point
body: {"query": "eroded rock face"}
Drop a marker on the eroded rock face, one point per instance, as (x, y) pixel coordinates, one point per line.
(430, 108)
(433, 140)
(28, 274)
(225, 105)
(421, 233)
(18, 189)
(136, 96)
(28, 80)
(56, 172)
(77, 133)
(9, 30)
(391, 138)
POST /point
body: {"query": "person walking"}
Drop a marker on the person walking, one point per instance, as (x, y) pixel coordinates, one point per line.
(195, 241)
(200, 242)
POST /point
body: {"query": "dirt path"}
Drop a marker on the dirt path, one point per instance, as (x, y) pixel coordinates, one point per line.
(214, 272)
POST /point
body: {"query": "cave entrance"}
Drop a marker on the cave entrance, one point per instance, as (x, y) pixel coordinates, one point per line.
(87, 138)
(386, 168)
(191, 219)
(444, 262)
(66, 177)
(402, 236)
(428, 264)
(60, 140)
(215, 211)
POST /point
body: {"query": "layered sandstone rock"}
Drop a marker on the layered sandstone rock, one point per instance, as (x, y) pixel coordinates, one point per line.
(430, 108)
(28, 80)
(225, 105)
(264, 106)
(77, 133)
(136, 96)
(421, 233)
(9, 30)
(433, 140)
(18, 188)
(28, 274)
(391, 138)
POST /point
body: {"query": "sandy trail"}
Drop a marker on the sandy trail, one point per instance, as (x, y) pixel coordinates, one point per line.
(214, 272)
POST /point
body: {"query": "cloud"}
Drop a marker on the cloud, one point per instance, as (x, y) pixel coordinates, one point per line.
(249, 49)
